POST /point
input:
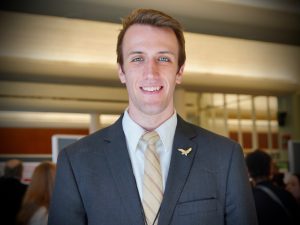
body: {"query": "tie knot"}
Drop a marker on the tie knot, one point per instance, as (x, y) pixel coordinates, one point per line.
(150, 137)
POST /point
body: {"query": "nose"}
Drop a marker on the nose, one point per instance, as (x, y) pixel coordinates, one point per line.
(151, 69)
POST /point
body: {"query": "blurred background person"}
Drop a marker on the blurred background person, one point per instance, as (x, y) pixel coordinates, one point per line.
(274, 205)
(34, 210)
(292, 182)
(11, 191)
(277, 176)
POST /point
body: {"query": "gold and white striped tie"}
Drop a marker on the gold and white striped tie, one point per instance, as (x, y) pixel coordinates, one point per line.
(152, 185)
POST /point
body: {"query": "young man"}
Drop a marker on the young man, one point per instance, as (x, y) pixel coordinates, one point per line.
(182, 175)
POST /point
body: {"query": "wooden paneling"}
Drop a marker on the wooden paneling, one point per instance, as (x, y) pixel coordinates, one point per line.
(31, 140)
(262, 140)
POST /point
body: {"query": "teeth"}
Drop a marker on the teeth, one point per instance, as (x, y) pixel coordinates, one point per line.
(151, 88)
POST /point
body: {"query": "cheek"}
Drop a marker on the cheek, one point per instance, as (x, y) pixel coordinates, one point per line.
(131, 82)
(175, 80)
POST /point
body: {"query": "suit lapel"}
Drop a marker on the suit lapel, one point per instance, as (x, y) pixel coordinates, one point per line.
(180, 167)
(120, 165)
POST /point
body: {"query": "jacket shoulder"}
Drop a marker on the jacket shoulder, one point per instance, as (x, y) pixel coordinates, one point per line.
(97, 139)
(200, 132)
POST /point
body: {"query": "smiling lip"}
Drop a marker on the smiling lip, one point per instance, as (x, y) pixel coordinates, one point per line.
(152, 89)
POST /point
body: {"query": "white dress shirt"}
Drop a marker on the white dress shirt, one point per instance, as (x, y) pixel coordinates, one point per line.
(136, 148)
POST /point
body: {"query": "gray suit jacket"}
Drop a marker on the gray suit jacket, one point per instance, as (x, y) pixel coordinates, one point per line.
(95, 184)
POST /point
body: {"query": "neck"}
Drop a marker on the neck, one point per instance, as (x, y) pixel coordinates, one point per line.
(150, 122)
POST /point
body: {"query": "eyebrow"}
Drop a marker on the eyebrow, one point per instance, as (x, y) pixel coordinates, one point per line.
(135, 52)
(166, 52)
(160, 52)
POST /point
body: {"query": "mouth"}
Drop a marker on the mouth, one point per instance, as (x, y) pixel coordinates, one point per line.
(151, 89)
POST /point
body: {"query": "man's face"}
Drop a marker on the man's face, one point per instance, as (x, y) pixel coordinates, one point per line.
(293, 186)
(150, 70)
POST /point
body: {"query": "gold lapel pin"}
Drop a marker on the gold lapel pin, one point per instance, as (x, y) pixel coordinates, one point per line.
(185, 151)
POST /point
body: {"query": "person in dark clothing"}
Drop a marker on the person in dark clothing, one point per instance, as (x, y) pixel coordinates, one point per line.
(11, 191)
(274, 205)
(277, 176)
(293, 186)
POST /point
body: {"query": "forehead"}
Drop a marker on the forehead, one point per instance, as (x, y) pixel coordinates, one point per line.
(142, 36)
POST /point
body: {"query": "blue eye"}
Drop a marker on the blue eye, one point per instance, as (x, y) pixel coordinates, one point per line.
(163, 59)
(137, 59)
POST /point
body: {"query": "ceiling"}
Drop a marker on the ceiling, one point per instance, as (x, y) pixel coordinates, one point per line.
(274, 21)
(54, 63)
(268, 20)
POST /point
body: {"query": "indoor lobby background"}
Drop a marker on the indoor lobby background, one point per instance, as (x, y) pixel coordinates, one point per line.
(58, 73)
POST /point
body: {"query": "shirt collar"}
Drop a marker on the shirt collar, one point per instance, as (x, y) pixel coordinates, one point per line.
(133, 131)
(166, 131)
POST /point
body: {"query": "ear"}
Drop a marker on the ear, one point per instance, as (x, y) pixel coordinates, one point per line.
(179, 74)
(122, 76)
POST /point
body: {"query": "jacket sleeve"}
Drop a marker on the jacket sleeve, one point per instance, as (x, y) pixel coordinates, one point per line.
(66, 204)
(240, 207)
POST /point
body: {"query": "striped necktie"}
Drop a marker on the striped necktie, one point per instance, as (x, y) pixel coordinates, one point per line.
(152, 184)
